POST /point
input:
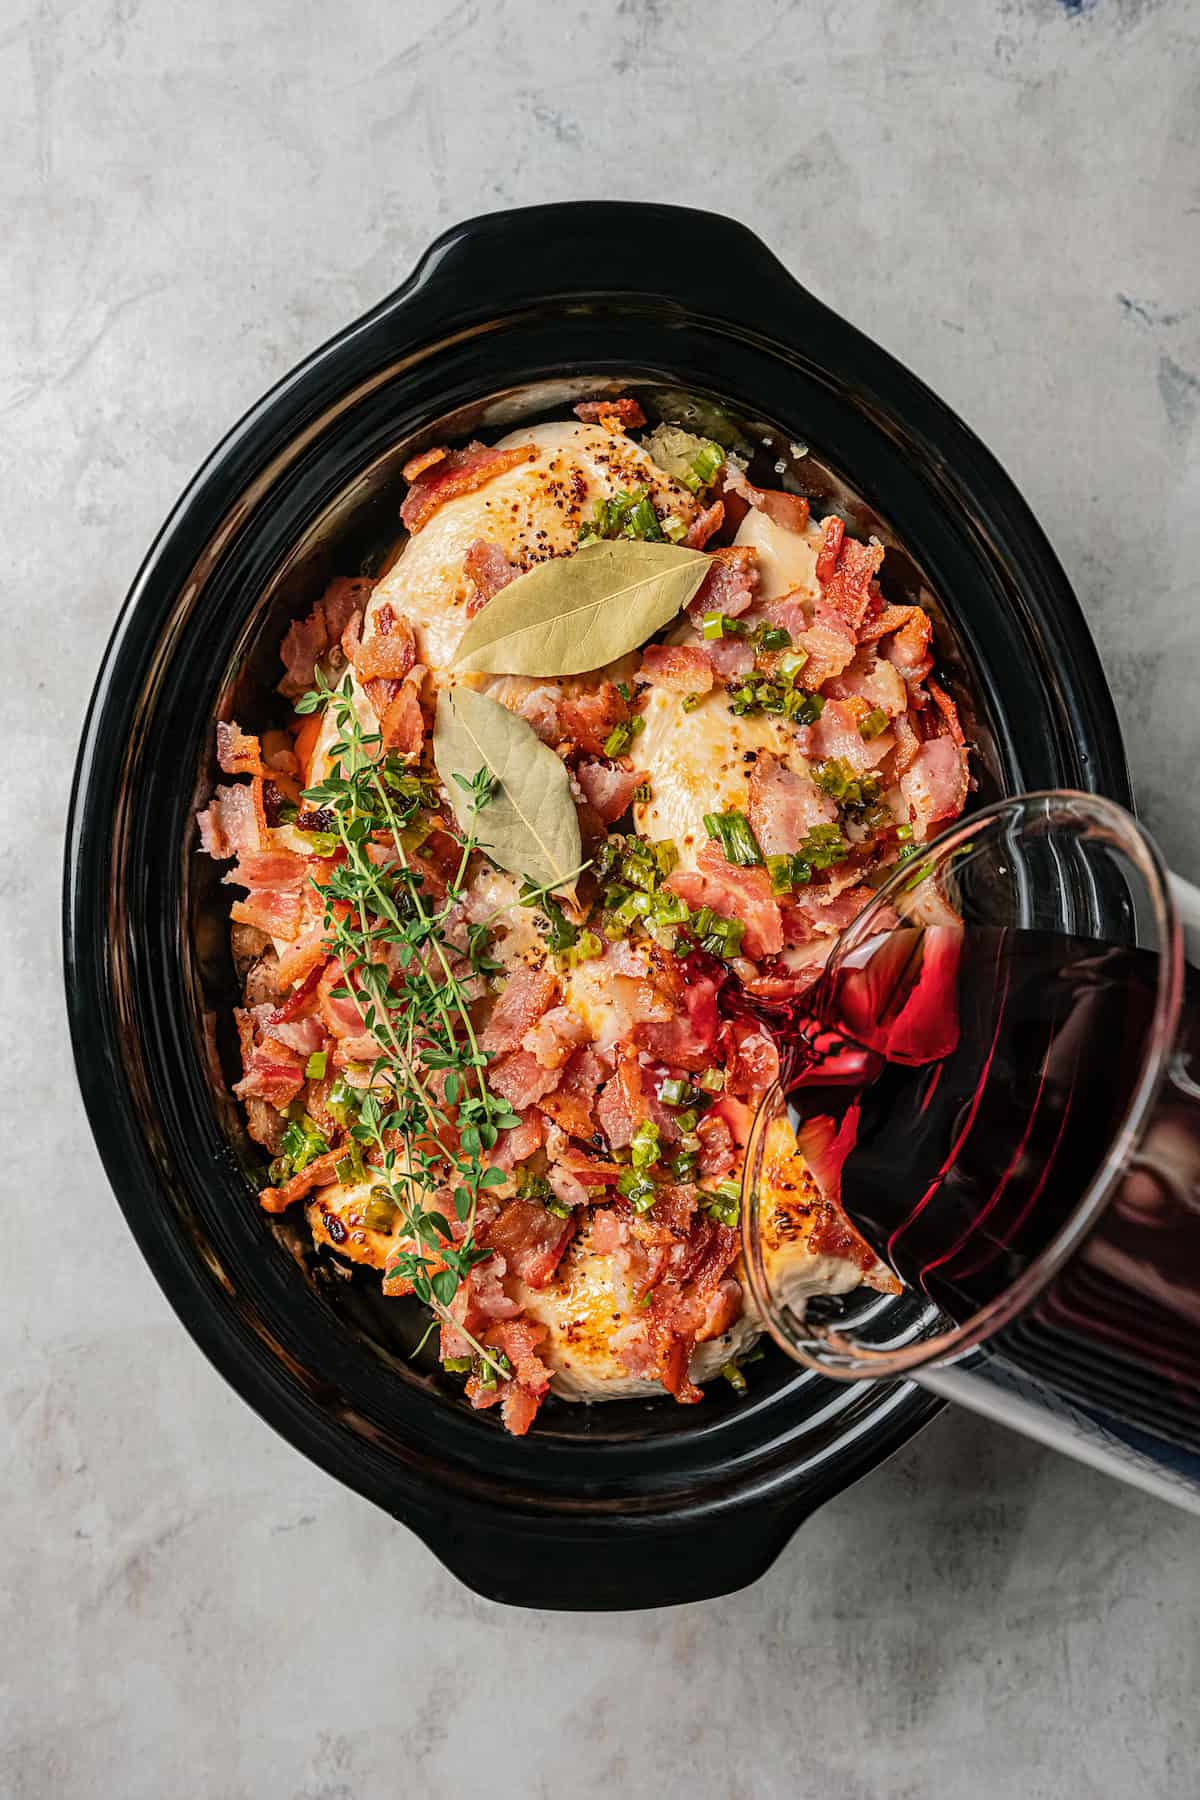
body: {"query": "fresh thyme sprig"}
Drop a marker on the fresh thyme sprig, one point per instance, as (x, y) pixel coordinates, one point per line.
(427, 1118)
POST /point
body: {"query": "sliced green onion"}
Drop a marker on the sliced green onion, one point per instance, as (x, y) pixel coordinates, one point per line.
(779, 868)
(904, 833)
(666, 856)
(684, 1167)
(674, 1092)
(586, 947)
(773, 637)
(637, 725)
(457, 1365)
(712, 1081)
(644, 1146)
(688, 1120)
(704, 467)
(690, 702)
(735, 1378)
(279, 1171)
(674, 529)
(875, 722)
(641, 794)
(625, 691)
(379, 1213)
(732, 831)
(791, 665)
(618, 739)
(555, 1206)
(314, 1068)
(713, 625)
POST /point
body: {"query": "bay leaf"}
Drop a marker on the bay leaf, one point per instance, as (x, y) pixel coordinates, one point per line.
(580, 612)
(529, 826)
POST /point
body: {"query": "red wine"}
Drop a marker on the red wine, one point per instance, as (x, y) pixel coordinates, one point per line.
(980, 1077)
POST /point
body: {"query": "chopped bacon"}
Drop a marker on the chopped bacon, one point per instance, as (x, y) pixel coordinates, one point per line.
(729, 657)
(836, 734)
(308, 639)
(935, 784)
(607, 787)
(320, 1172)
(403, 724)
(531, 1240)
(281, 869)
(590, 718)
(788, 510)
(521, 1396)
(829, 646)
(527, 994)
(266, 1124)
(908, 742)
(624, 411)
(299, 960)
(390, 654)
(850, 591)
(729, 585)
(734, 892)
(687, 1039)
(230, 824)
(458, 472)
(949, 712)
(339, 1011)
(417, 465)
(873, 679)
(538, 704)
(271, 910)
(520, 1079)
(755, 1066)
(684, 1309)
(519, 1143)
(618, 1109)
(831, 544)
(783, 807)
(272, 1073)
(704, 525)
(571, 1103)
(568, 1189)
(556, 1034)
(489, 570)
(910, 629)
(518, 1408)
(301, 1035)
(717, 1154)
(808, 911)
(302, 1001)
(683, 667)
(237, 751)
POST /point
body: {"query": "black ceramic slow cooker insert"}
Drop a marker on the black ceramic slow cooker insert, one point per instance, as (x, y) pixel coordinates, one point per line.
(507, 319)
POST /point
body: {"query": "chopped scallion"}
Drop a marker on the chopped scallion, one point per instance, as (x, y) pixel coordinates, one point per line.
(732, 831)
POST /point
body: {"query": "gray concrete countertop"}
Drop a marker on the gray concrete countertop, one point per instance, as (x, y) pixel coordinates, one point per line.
(1006, 193)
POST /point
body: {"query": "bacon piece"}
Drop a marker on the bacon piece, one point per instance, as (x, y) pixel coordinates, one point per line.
(690, 1305)
(624, 412)
(489, 570)
(572, 1102)
(590, 718)
(754, 1067)
(265, 1124)
(457, 472)
(527, 994)
(836, 734)
(705, 525)
(403, 724)
(531, 1240)
(387, 653)
(783, 807)
(688, 1038)
(320, 1172)
(935, 784)
(685, 668)
(237, 751)
(729, 657)
(417, 465)
(568, 1189)
(910, 629)
(308, 639)
(831, 544)
(281, 869)
(230, 824)
(556, 1034)
(618, 1106)
(735, 892)
(829, 647)
(298, 961)
(271, 910)
(607, 787)
(729, 585)
(717, 1154)
(849, 592)
(301, 1035)
(520, 1079)
(873, 679)
(518, 1144)
(949, 712)
(302, 1001)
(340, 1011)
(788, 510)
(272, 1073)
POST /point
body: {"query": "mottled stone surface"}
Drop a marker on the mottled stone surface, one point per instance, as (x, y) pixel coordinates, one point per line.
(1007, 195)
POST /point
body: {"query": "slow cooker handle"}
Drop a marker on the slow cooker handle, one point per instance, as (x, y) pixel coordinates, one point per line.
(557, 1563)
(693, 261)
